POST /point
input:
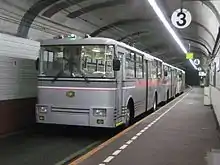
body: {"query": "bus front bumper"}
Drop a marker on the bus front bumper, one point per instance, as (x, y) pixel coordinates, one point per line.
(93, 117)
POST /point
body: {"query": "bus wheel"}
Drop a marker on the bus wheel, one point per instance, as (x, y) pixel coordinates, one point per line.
(155, 104)
(129, 116)
(167, 97)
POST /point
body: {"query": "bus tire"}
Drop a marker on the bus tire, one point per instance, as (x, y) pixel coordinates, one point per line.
(155, 103)
(129, 114)
(167, 97)
(174, 94)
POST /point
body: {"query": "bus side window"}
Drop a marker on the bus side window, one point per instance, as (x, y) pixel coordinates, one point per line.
(139, 66)
(154, 70)
(48, 59)
(149, 69)
(169, 72)
(159, 69)
(130, 65)
(165, 71)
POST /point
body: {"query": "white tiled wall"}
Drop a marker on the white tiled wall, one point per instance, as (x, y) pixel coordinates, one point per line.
(18, 77)
(215, 100)
(215, 90)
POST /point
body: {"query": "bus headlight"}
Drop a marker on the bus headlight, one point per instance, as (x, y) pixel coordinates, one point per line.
(99, 112)
(42, 109)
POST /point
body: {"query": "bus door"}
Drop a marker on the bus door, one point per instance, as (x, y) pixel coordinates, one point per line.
(166, 82)
(172, 82)
(147, 79)
(151, 82)
(120, 82)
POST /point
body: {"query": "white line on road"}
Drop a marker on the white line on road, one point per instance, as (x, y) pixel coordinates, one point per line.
(135, 137)
(123, 147)
(129, 142)
(138, 134)
(117, 152)
(108, 159)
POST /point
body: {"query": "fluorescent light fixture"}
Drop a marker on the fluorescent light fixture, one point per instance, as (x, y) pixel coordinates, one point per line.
(202, 74)
(168, 27)
(194, 66)
(199, 69)
(97, 50)
(108, 53)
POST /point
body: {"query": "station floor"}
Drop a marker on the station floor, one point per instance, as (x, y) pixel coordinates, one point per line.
(183, 132)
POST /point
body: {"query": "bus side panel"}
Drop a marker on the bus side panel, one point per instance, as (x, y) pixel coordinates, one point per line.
(169, 81)
(179, 83)
(151, 85)
(133, 86)
(137, 91)
(165, 86)
(183, 83)
(174, 83)
(160, 91)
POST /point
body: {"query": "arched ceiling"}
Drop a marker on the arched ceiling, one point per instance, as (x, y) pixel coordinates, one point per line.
(130, 21)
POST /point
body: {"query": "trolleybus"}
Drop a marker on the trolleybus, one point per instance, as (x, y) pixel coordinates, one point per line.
(100, 82)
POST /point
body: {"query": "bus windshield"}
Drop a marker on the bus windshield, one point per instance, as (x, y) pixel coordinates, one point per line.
(92, 61)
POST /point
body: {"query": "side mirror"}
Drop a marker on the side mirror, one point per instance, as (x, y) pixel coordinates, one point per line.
(116, 64)
(165, 73)
(37, 64)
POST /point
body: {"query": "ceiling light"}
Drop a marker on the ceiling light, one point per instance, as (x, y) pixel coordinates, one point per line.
(199, 69)
(194, 66)
(97, 50)
(168, 27)
(108, 53)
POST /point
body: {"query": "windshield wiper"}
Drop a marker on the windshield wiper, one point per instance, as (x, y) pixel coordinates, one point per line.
(84, 76)
(59, 73)
(81, 73)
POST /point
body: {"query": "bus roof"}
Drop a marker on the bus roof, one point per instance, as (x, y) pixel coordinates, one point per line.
(81, 41)
(94, 41)
(99, 41)
(168, 64)
(173, 67)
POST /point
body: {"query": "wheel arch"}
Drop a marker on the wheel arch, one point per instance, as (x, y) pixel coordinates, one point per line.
(155, 94)
(130, 100)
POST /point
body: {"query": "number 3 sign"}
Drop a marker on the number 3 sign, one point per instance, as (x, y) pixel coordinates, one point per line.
(181, 18)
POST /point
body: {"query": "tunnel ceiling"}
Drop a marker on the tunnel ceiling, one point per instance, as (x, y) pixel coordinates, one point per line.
(130, 21)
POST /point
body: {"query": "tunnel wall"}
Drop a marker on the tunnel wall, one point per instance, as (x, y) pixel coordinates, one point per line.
(192, 77)
(215, 100)
(11, 14)
(215, 86)
(18, 82)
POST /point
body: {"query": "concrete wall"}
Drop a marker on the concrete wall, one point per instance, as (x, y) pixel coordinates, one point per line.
(11, 14)
(215, 100)
(192, 77)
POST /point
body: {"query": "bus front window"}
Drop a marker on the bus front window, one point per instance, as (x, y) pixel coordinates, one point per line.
(92, 61)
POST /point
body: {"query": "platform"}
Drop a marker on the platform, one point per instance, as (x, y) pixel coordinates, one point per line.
(183, 132)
